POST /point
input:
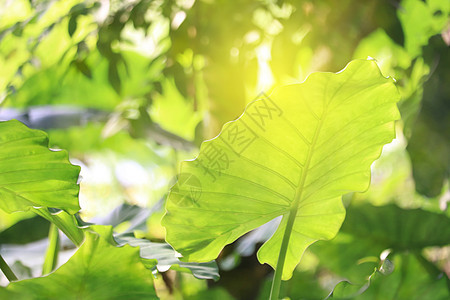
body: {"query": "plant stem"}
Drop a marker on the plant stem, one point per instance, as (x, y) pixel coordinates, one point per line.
(7, 270)
(276, 283)
(51, 256)
(66, 223)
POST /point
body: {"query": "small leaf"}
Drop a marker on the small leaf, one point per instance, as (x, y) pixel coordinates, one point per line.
(72, 26)
(113, 76)
(346, 290)
(293, 154)
(82, 66)
(31, 175)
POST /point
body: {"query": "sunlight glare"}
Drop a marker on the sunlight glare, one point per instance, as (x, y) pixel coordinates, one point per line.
(265, 76)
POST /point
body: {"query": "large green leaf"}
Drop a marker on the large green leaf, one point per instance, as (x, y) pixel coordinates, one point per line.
(292, 155)
(31, 175)
(98, 270)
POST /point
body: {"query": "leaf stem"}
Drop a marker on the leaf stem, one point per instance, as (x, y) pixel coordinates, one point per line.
(65, 222)
(7, 270)
(51, 256)
(276, 283)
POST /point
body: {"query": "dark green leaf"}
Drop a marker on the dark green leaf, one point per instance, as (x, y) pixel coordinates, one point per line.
(72, 27)
(25, 231)
(400, 229)
(83, 68)
(429, 143)
(113, 76)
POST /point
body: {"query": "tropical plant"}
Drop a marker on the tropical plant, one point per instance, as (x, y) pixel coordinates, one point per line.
(292, 154)
(154, 104)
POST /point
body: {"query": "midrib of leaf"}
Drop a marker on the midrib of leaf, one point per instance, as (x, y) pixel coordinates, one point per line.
(299, 191)
(276, 283)
(293, 212)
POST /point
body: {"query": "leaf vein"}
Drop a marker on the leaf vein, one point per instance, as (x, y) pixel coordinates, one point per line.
(283, 197)
(276, 173)
(341, 130)
(242, 196)
(293, 159)
(24, 139)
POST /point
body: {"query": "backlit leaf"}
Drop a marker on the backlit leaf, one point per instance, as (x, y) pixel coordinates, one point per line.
(31, 175)
(293, 153)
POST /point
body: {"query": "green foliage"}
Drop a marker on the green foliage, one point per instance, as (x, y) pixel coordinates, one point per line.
(31, 175)
(429, 143)
(131, 88)
(98, 270)
(166, 258)
(275, 161)
(25, 231)
(421, 20)
(159, 257)
(384, 285)
(395, 228)
(366, 233)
